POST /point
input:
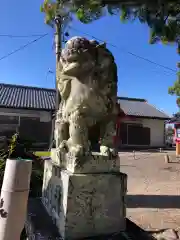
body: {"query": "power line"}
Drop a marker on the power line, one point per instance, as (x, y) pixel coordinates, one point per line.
(130, 53)
(24, 46)
(87, 34)
(49, 72)
(21, 36)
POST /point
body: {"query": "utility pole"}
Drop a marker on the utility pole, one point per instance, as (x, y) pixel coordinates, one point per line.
(58, 48)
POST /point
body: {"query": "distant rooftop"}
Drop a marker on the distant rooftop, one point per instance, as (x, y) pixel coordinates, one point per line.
(26, 97)
(175, 118)
(140, 108)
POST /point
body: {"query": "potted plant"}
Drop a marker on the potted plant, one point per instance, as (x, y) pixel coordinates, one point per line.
(16, 183)
(18, 148)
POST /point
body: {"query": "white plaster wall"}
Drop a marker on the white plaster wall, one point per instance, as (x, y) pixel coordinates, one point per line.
(157, 131)
(44, 116)
(156, 128)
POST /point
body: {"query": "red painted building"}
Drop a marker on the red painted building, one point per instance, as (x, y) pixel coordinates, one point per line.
(176, 121)
(140, 124)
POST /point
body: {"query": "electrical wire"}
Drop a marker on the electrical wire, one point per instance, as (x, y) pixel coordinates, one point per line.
(130, 53)
(87, 34)
(21, 36)
(24, 46)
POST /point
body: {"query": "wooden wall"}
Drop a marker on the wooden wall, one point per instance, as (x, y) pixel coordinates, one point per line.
(30, 128)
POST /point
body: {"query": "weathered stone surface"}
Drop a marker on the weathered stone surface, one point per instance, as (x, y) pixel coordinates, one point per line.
(88, 89)
(168, 234)
(56, 159)
(39, 226)
(178, 233)
(84, 205)
(94, 162)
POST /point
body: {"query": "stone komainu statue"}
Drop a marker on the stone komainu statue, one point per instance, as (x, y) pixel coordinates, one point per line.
(87, 81)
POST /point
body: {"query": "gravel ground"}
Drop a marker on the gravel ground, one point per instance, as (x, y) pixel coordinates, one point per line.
(153, 198)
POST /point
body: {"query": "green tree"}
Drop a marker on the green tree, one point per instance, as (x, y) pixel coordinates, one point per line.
(169, 131)
(162, 17)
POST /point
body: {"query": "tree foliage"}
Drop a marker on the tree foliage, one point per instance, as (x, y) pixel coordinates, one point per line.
(175, 89)
(169, 131)
(162, 17)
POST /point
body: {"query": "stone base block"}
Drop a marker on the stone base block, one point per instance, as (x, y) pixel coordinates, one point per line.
(39, 225)
(85, 205)
(94, 162)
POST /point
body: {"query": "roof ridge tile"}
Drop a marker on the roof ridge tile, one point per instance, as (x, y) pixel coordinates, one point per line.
(27, 87)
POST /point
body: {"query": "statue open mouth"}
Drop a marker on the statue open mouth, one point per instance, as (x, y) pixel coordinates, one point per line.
(69, 67)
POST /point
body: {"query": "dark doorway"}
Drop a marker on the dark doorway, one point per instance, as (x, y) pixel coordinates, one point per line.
(134, 134)
(123, 133)
(35, 131)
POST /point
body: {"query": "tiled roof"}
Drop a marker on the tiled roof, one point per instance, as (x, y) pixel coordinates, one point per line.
(140, 108)
(175, 118)
(17, 96)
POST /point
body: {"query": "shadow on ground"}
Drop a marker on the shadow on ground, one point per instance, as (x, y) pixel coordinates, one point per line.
(152, 201)
(39, 225)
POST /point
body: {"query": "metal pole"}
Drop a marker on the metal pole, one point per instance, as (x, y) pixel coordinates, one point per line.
(166, 157)
(134, 154)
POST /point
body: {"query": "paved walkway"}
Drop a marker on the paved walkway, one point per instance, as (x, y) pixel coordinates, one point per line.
(153, 200)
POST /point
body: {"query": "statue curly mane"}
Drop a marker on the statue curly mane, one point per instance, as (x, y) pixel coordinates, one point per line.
(87, 81)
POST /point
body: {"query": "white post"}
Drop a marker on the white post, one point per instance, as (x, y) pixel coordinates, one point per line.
(14, 196)
(134, 154)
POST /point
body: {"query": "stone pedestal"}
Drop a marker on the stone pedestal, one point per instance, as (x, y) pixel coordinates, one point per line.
(87, 201)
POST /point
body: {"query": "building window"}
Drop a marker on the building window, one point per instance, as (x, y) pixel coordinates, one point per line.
(9, 119)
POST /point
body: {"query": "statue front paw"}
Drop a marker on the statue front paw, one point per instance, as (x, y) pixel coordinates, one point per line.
(63, 147)
(77, 150)
(106, 151)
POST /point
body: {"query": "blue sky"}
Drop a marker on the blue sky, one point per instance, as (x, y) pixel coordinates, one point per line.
(137, 78)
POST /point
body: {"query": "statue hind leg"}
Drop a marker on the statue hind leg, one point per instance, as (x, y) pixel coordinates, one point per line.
(78, 142)
(108, 132)
(61, 132)
(61, 128)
